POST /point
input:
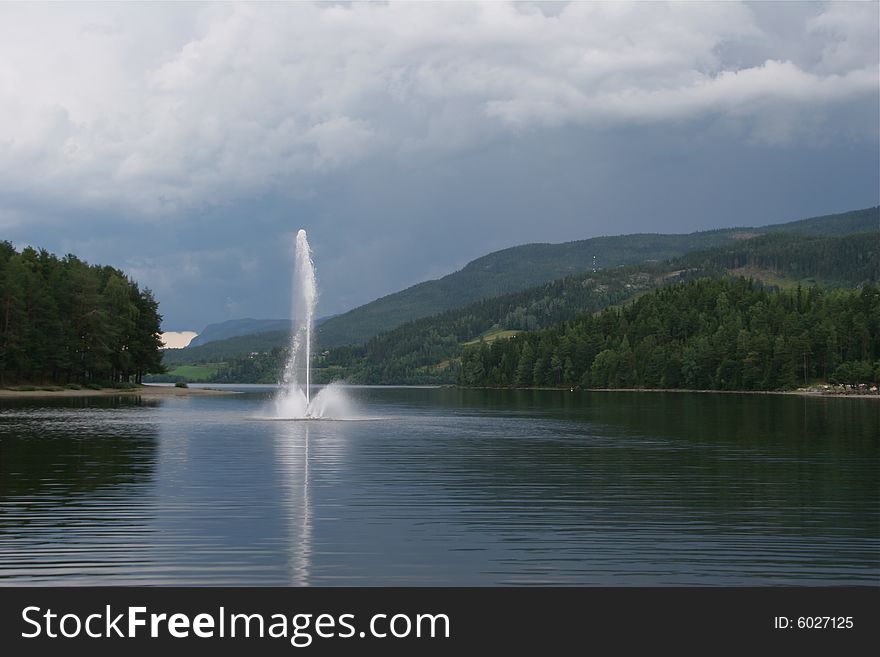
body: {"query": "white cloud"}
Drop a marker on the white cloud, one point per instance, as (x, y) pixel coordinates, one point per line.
(159, 108)
(849, 36)
(177, 339)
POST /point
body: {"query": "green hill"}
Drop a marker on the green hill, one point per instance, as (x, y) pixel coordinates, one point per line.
(236, 327)
(526, 266)
(709, 334)
(844, 223)
(223, 350)
(427, 350)
(839, 261)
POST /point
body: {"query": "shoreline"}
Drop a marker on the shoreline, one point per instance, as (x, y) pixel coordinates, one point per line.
(797, 393)
(168, 390)
(140, 391)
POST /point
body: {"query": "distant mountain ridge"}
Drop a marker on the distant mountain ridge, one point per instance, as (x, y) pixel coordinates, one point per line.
(521, 267)
(504, 272)
(234, 328)
(221, 350)
(427, 350)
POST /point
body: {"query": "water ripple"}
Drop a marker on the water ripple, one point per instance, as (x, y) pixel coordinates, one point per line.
(442, 487)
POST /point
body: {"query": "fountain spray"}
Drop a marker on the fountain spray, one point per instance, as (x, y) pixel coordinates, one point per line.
(294, 399)
(295, 396)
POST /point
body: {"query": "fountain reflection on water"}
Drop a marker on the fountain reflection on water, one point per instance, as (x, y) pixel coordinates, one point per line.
(294, 399)
(292, 454)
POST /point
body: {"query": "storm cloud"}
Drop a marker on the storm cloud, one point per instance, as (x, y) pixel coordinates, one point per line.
(186, 143)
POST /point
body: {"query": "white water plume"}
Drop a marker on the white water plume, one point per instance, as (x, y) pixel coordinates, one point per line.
(294, 399)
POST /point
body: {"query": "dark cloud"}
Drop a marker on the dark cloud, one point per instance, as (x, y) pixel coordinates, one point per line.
(187, 145)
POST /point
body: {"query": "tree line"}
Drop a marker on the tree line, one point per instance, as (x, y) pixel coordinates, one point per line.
(64, 321)
(845, 261)
(429, 350)
(529, 265)
(724, 334)
(426, 350)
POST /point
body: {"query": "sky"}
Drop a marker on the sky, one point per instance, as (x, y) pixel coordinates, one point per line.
(187, 143)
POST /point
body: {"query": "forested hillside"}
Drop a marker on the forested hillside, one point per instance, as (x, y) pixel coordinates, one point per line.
(428, 349)
(65, 321)
(526, 266)
(222, 350)
(843, 223)
(424, 351)
(505, 272)
(237, 327)
(844, 261)
(705, 334)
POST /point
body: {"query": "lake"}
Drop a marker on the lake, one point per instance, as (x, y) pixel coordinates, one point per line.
(440, 486)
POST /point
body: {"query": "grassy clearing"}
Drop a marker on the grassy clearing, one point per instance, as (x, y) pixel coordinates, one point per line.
(196, 372)
(766, 276)
(491, 336)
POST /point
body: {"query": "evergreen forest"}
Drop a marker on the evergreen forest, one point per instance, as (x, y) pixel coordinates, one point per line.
(67, 322)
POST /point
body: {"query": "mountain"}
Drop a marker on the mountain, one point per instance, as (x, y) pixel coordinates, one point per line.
(428, 350)
(522, 267)
(708, 334)
(845, 223)
(218, 351)
(425, 350)
(833, 261)
(235, 327)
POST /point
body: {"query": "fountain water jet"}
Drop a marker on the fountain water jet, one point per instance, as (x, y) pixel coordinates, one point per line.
(294, 399)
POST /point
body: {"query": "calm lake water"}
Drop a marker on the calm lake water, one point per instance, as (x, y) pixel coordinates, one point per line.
(442, 487)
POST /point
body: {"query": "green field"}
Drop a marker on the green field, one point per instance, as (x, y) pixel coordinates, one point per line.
(491, 336)
(196, 372)
(769, 277)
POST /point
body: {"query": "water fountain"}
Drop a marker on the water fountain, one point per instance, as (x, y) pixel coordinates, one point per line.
(294, 399)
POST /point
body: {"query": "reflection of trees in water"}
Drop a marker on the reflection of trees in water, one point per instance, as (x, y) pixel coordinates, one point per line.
(753, 419)
(50, 451)
(721, 460)
(75, 482)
